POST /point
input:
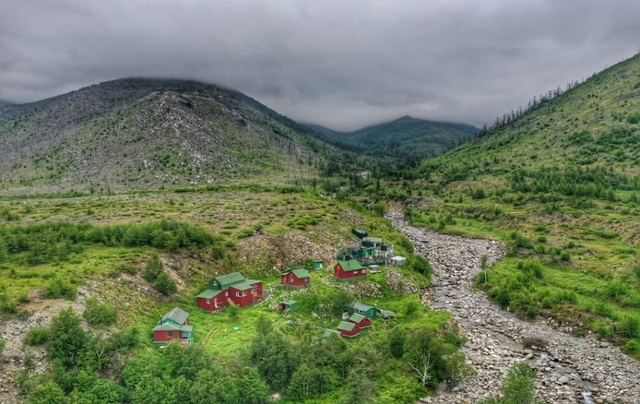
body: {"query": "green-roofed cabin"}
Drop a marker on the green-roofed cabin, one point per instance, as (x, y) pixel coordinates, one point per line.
(363, 309)
(231, 288)
(295, 278)
(174, 325)
(360, 320)
(349, 270)
(348, 329)
(288, 304)
(318, 264)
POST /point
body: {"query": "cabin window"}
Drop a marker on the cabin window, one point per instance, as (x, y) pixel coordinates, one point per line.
(244, 293)
(208, 301)
(170, 334)
(306, 280)
(237, 294)
(291, 280)
(226, 294)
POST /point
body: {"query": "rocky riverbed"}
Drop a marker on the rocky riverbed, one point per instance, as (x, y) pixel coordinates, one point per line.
(569, 369)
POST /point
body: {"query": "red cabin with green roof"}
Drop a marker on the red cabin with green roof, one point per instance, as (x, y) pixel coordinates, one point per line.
(349, 270)
(360, 320)
(295, 278)
(231, 288)
(347, 329)
(173, 325)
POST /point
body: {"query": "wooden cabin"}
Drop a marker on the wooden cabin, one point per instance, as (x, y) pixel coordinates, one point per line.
(295, 278)
(231, 288)
(349, 270)
(174, 325)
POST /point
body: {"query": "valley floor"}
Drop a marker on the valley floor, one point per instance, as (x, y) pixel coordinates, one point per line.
(568, 368)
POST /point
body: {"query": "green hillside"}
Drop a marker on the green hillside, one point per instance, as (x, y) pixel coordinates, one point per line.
(143, 133)
(560, 184)
(404, 138)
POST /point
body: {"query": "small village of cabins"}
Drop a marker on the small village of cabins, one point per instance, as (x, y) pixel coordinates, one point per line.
(353, 263)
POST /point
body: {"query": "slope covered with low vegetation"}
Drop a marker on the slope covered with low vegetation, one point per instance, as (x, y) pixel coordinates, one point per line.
(149, 134)
(560, 184)
(121, 261)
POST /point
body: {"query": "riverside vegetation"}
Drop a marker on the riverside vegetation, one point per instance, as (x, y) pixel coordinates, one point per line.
(559, 184)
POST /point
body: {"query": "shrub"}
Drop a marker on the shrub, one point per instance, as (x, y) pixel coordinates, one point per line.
(37, 336)
(634, 117)
(58, 287)
(631, 347)
(397, 340)
(542, 239)
(165, 285)
(629, 327)
(518, 386)
(128, 268)
(411, 308)
(97, 313)
(153, 268)
(565, 256)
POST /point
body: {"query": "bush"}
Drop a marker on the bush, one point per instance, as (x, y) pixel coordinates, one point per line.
(631, 347)
(97, 313)
(629, 327)
(518, 386)
(153, 268)
(128, 268)
(542, 239)
(165, 285)
(57, 287)
(634, 117)
(397, 340)
(37, 336)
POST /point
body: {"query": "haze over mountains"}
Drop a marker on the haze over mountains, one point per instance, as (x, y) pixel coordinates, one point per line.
(405, 137)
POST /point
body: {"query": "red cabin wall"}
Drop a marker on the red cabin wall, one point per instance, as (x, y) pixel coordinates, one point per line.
(161, 336)
(285, 280)
(351, 333)
(219, 299)
(249, 298)
(366, 322)
(342, 274)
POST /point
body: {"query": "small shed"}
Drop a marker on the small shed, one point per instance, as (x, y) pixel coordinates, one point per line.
(295, 278)
(364, 310)
(174, 325)
(398, 261)
(288, 304)
(348, 329)
(374, 269)
(360, 320)
(318, 264)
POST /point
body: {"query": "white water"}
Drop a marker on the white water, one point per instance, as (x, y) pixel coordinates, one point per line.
(587, 397)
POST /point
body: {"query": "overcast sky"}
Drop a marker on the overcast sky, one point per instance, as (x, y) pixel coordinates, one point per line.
(340, 63)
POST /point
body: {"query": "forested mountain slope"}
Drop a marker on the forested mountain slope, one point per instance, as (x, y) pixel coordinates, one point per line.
(403, 138)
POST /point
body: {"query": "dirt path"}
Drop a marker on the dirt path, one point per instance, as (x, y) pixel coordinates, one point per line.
(568, 369)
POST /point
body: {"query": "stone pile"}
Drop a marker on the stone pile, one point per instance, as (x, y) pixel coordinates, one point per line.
(568, 368)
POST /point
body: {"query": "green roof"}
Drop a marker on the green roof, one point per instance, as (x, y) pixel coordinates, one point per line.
(172, 327)
(224, 281)
(177, 315)
(301, 273)
(344, 325)
(357, 317)
(209, 293)
(361, 307)
(244, 285)
(328, 333)
(351, 265)
(289, 302)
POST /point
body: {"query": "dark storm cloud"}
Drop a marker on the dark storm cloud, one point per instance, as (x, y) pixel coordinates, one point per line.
(341, 64)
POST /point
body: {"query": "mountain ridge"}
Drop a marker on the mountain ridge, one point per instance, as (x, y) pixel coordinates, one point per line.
(404, 137)
(148, 133)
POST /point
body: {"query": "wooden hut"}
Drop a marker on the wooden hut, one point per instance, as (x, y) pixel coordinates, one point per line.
(174, 325)
(348, 329)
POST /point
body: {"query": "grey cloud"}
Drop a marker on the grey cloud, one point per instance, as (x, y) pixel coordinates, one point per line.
(340, 64)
